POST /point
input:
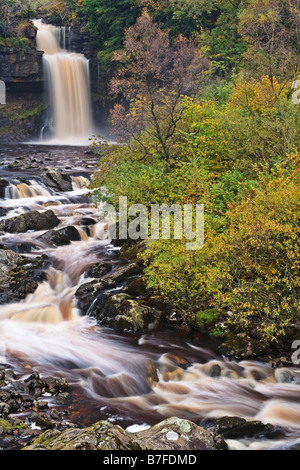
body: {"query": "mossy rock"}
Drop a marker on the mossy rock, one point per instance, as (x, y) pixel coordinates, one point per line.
(241, 346)
(128, 315)
(234, 427)
(31, 220)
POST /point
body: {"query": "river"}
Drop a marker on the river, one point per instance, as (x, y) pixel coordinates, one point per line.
(108, 370)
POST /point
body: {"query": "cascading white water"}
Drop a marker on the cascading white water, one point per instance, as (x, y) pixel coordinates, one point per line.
(68, 79)
(47, 332)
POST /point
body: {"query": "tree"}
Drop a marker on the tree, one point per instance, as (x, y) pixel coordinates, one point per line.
(107, 21)
(153, 75)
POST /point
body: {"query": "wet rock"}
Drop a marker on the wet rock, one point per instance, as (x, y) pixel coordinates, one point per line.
(3, 211)
(285, 375)
(58, 181)
(19, 276)
(31, 220)
(41, 405)
(232, 427)
(3, 185)
(98, 270)
(87, 221)
(214, 370)
(41, 420)
(61, 237)
(170, 434)
(56, 385)
(242, 347)
(21, 248)
(91, 296)
(152, 377)
(4, 408)
(35, 384)
(128, 315)
(122, 274)
(22, 397)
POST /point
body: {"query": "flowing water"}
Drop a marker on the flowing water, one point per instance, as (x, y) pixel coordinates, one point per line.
(110, 371)
(68, 83)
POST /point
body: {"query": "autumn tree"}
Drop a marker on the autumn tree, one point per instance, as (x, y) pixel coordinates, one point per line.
(153, 76)
(272, 31)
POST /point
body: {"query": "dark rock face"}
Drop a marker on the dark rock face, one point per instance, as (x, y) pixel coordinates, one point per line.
(61, 237)
(133, 313)
(21, 69)
(31, 220)
(92, 291)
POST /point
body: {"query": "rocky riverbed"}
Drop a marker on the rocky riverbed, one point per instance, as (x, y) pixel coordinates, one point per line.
(90, 355)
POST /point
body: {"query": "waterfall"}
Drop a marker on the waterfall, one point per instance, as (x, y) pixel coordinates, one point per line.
(68, 82)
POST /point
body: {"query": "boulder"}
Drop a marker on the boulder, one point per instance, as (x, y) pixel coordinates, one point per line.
(3, 211)
(94, 294)
(98, 270)
(58, 181)
(31, 220)
(3, 185)
(171, 434)
(241, 346)
(91, 296)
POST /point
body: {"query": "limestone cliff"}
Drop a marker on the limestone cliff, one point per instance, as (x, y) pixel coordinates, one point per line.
(21, 69)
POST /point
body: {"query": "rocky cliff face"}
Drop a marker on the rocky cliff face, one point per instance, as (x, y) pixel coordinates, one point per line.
(21, 69)
(21, 66)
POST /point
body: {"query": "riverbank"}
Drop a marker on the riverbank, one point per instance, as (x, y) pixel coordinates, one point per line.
(89, 323)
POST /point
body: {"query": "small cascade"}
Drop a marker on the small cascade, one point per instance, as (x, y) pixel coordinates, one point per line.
(80, 182)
